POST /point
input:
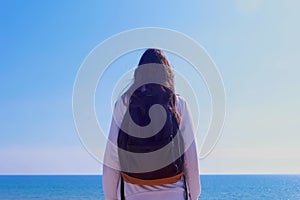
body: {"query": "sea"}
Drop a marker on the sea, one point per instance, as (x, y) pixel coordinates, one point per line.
(214, 187)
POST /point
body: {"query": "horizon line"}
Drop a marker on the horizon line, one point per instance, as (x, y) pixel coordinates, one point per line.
(100, 174)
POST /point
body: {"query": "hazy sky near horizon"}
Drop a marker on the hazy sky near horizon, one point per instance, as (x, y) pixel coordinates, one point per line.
(254, 43)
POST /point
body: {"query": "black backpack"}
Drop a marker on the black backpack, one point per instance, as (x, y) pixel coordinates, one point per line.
(138, 109)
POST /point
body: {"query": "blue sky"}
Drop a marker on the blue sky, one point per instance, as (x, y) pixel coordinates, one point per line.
(254, 43)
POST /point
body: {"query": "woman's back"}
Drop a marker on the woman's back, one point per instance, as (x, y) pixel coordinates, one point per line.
(111, 176)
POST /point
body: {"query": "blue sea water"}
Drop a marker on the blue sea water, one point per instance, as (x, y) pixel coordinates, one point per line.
(214, 187)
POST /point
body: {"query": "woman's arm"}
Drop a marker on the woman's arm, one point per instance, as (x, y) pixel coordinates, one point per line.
(110, 183)
(191, 169)
(111, 176)
(111, 165)
(191, 172)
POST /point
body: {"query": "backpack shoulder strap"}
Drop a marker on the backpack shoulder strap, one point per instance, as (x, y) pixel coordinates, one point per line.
(185, 189)
(122, 188)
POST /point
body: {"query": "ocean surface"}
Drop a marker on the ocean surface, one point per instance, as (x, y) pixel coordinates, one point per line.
(214, 187)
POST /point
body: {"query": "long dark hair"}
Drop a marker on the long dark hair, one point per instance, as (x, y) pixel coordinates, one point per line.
(154, 64)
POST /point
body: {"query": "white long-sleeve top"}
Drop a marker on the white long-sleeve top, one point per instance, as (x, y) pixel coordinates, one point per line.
(175, 191)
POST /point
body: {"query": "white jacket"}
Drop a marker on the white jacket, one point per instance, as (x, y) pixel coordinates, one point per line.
(175, 191)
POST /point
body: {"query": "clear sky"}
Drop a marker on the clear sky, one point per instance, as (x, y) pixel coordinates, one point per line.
(255, 44)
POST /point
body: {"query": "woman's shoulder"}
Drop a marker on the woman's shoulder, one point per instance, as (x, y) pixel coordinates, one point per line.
(181, 103)
(180, 99)
(119, 109)
(122, 101)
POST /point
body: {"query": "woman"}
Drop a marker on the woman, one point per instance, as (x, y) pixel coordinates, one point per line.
(153, 82)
